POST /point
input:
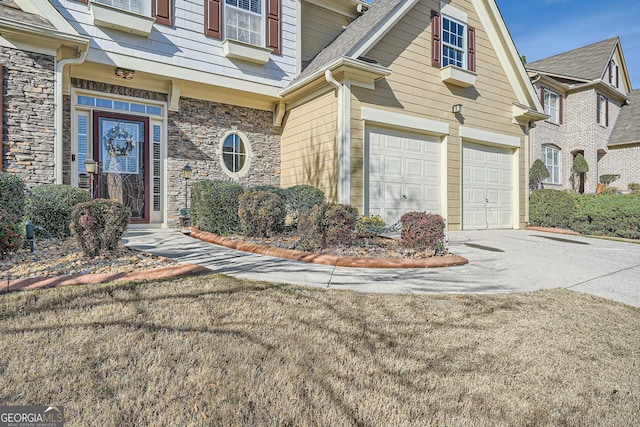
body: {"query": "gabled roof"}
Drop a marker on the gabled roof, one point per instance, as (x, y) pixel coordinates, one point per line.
(11, 11)
(585, 63)
(355, 34)
(627, 127)
(365, 31)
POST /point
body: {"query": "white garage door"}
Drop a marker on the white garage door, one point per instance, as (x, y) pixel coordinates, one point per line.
(403, 173)
(487, 187)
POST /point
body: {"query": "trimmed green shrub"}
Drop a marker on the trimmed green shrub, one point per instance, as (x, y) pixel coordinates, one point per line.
(270, 188)
(634, 187)
(610, 191)
(98, 225)
(214, 206)
(617, 216)
(580, 164)
(261, 212)
(422, 230)
(551, 208)
(328, 224)
(371, 225)
(12, 197)
(10, 237)
(608, 178)
(300, 199)
(537, 174)
(50, 206)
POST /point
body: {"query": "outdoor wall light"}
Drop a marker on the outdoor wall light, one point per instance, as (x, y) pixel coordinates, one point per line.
(456, 108)
(90, 166)
(125, 74)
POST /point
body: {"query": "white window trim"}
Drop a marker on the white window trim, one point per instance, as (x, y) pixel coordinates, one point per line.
(262, 22)
(552, 179)
(465, 48)
(249, 155)
(553, 118)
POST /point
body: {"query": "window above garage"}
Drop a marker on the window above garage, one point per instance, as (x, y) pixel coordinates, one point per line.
(453, 46)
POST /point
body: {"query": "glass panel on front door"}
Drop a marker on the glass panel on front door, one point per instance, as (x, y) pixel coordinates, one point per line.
(121, 153)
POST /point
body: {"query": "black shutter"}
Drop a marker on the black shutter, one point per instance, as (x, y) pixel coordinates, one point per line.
(436, 50)
(606, 112)
(598, 108)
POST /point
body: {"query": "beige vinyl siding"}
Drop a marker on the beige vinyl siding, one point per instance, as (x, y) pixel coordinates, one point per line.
(308, 145)
(416, 88)
(319, 27)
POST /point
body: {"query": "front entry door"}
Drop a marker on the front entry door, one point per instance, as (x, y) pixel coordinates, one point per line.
(121, 146)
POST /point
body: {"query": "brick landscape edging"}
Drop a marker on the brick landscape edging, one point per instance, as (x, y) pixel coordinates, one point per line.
(433, 262)
(87, 279)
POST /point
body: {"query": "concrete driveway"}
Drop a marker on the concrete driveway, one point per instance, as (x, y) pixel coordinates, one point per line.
(499, 261)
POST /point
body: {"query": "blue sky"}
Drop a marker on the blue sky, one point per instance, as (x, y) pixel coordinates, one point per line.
(542, 28)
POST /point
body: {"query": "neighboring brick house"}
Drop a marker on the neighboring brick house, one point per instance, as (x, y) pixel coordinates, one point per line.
(393, 106)
(587, 94)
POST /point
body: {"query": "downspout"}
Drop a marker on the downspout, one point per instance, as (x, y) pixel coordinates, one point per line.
(527, 159)
(343, 133)
(58, 156)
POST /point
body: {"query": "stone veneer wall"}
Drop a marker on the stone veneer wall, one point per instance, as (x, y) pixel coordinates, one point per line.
(195, 133)
(28, 127)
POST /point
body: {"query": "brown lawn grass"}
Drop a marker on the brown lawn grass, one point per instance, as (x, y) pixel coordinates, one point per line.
(220, 351)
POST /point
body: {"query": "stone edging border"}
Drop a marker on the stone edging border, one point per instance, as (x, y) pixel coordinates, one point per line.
(324, 259)
(554, 230)
(30, 283)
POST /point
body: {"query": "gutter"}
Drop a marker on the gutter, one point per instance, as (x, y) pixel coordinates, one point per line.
(58, 157)
(343, 137)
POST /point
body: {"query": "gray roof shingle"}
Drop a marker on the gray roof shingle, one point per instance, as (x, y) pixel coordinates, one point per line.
(357, 31)
(585, 63)
(627, 127)
(9, 10)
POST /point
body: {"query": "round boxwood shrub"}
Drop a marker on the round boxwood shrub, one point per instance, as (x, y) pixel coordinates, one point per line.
(214, 206)
(422, 230)
(300, 199)
(50, 206)
(551, 208)
(12, 198)
(328, 224)
(261, 212)
(98, 225)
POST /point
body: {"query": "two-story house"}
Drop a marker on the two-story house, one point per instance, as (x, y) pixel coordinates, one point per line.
(396, 106)
(587, 94)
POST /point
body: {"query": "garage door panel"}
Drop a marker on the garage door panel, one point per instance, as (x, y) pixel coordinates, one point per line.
(487, 187)
(410, 167)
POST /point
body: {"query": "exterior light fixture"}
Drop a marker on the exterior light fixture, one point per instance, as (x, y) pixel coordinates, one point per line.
(125, 74)
(185, 219)
(456, 108)
(186, 172)
(90, 166)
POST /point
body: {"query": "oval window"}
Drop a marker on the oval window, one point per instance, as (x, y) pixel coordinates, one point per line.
(235, 154)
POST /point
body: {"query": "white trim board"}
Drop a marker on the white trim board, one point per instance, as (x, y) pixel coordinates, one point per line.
(399, 120)
(479, 135)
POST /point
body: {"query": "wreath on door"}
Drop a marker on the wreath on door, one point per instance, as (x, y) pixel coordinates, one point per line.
(119, 142)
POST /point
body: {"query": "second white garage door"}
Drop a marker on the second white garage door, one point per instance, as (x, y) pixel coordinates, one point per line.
(403, 173)
(487, 187)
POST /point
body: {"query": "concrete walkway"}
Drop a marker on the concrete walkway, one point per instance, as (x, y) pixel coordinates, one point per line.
(499, 261)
